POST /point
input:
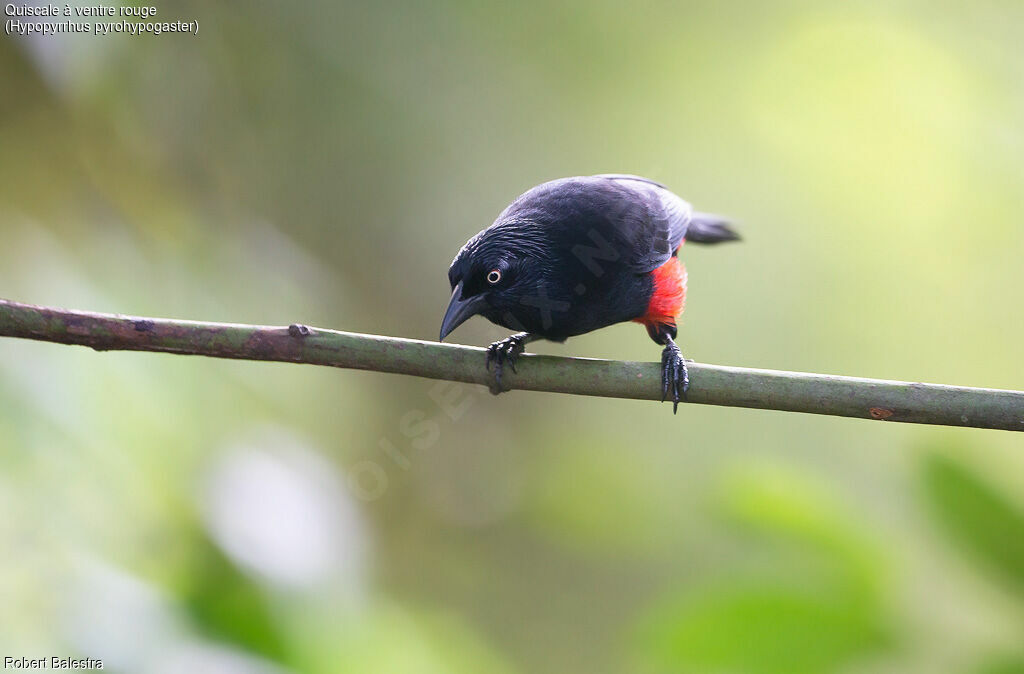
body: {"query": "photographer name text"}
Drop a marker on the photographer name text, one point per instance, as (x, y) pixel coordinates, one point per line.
(53, 662)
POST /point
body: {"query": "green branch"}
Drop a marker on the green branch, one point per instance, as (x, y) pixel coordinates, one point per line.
(710, 384)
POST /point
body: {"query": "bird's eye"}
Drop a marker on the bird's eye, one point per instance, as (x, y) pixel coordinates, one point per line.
(493, 276)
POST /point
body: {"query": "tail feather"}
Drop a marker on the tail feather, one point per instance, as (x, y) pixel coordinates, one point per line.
(708, 228)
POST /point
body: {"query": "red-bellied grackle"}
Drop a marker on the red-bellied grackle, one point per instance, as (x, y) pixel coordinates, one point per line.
(577, 254)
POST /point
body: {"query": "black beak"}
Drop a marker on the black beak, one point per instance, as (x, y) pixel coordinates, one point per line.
(459, 310)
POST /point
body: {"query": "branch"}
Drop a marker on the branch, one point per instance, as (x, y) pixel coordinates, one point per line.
(710, 384)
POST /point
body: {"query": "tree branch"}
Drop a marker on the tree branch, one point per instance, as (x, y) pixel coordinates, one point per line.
(710, 384)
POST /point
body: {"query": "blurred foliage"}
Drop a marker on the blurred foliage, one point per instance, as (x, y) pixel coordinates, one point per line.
(987, 526)
(1009, 665)
(815, 604)
(322, 162)
(227, 605)
(980, 520)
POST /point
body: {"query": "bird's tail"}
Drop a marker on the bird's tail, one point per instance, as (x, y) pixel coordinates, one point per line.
(708, 228)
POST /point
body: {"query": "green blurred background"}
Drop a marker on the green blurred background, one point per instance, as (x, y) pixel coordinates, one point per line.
(322, 162)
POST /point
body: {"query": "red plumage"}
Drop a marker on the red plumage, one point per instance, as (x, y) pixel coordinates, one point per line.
(669, 297)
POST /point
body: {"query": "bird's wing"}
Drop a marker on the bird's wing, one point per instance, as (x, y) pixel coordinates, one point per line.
(649, 218)
(634, 221)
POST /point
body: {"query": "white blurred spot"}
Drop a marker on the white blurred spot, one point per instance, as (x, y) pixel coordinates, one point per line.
(68, 60)
(131, 627)
(279, 511)
(118, 619)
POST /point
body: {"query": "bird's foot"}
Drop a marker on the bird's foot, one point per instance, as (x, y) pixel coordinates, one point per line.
(503, 353)
(674, 375)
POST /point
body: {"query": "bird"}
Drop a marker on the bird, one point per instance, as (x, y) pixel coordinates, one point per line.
(577, 254)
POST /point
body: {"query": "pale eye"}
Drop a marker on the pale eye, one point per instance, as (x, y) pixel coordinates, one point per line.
(493, 276)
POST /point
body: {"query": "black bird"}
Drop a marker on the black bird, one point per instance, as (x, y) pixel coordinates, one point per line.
(577, 254)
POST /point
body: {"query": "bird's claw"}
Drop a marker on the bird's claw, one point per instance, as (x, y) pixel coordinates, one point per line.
(501, 353)
(674, 375)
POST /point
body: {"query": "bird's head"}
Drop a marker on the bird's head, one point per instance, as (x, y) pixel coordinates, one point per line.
(492, 274)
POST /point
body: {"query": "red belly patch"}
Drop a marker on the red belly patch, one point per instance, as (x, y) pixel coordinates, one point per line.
(669, 295)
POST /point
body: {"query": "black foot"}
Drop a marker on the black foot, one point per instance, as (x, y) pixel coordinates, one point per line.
(674, 376)
(505, 351)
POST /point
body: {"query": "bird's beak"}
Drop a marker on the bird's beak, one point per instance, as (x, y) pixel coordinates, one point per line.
(459, 310)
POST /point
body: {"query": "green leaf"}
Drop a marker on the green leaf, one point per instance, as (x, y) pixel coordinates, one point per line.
(816, 603)
(986, 525)
(761, 630)
(228, 606)
(793, 509)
